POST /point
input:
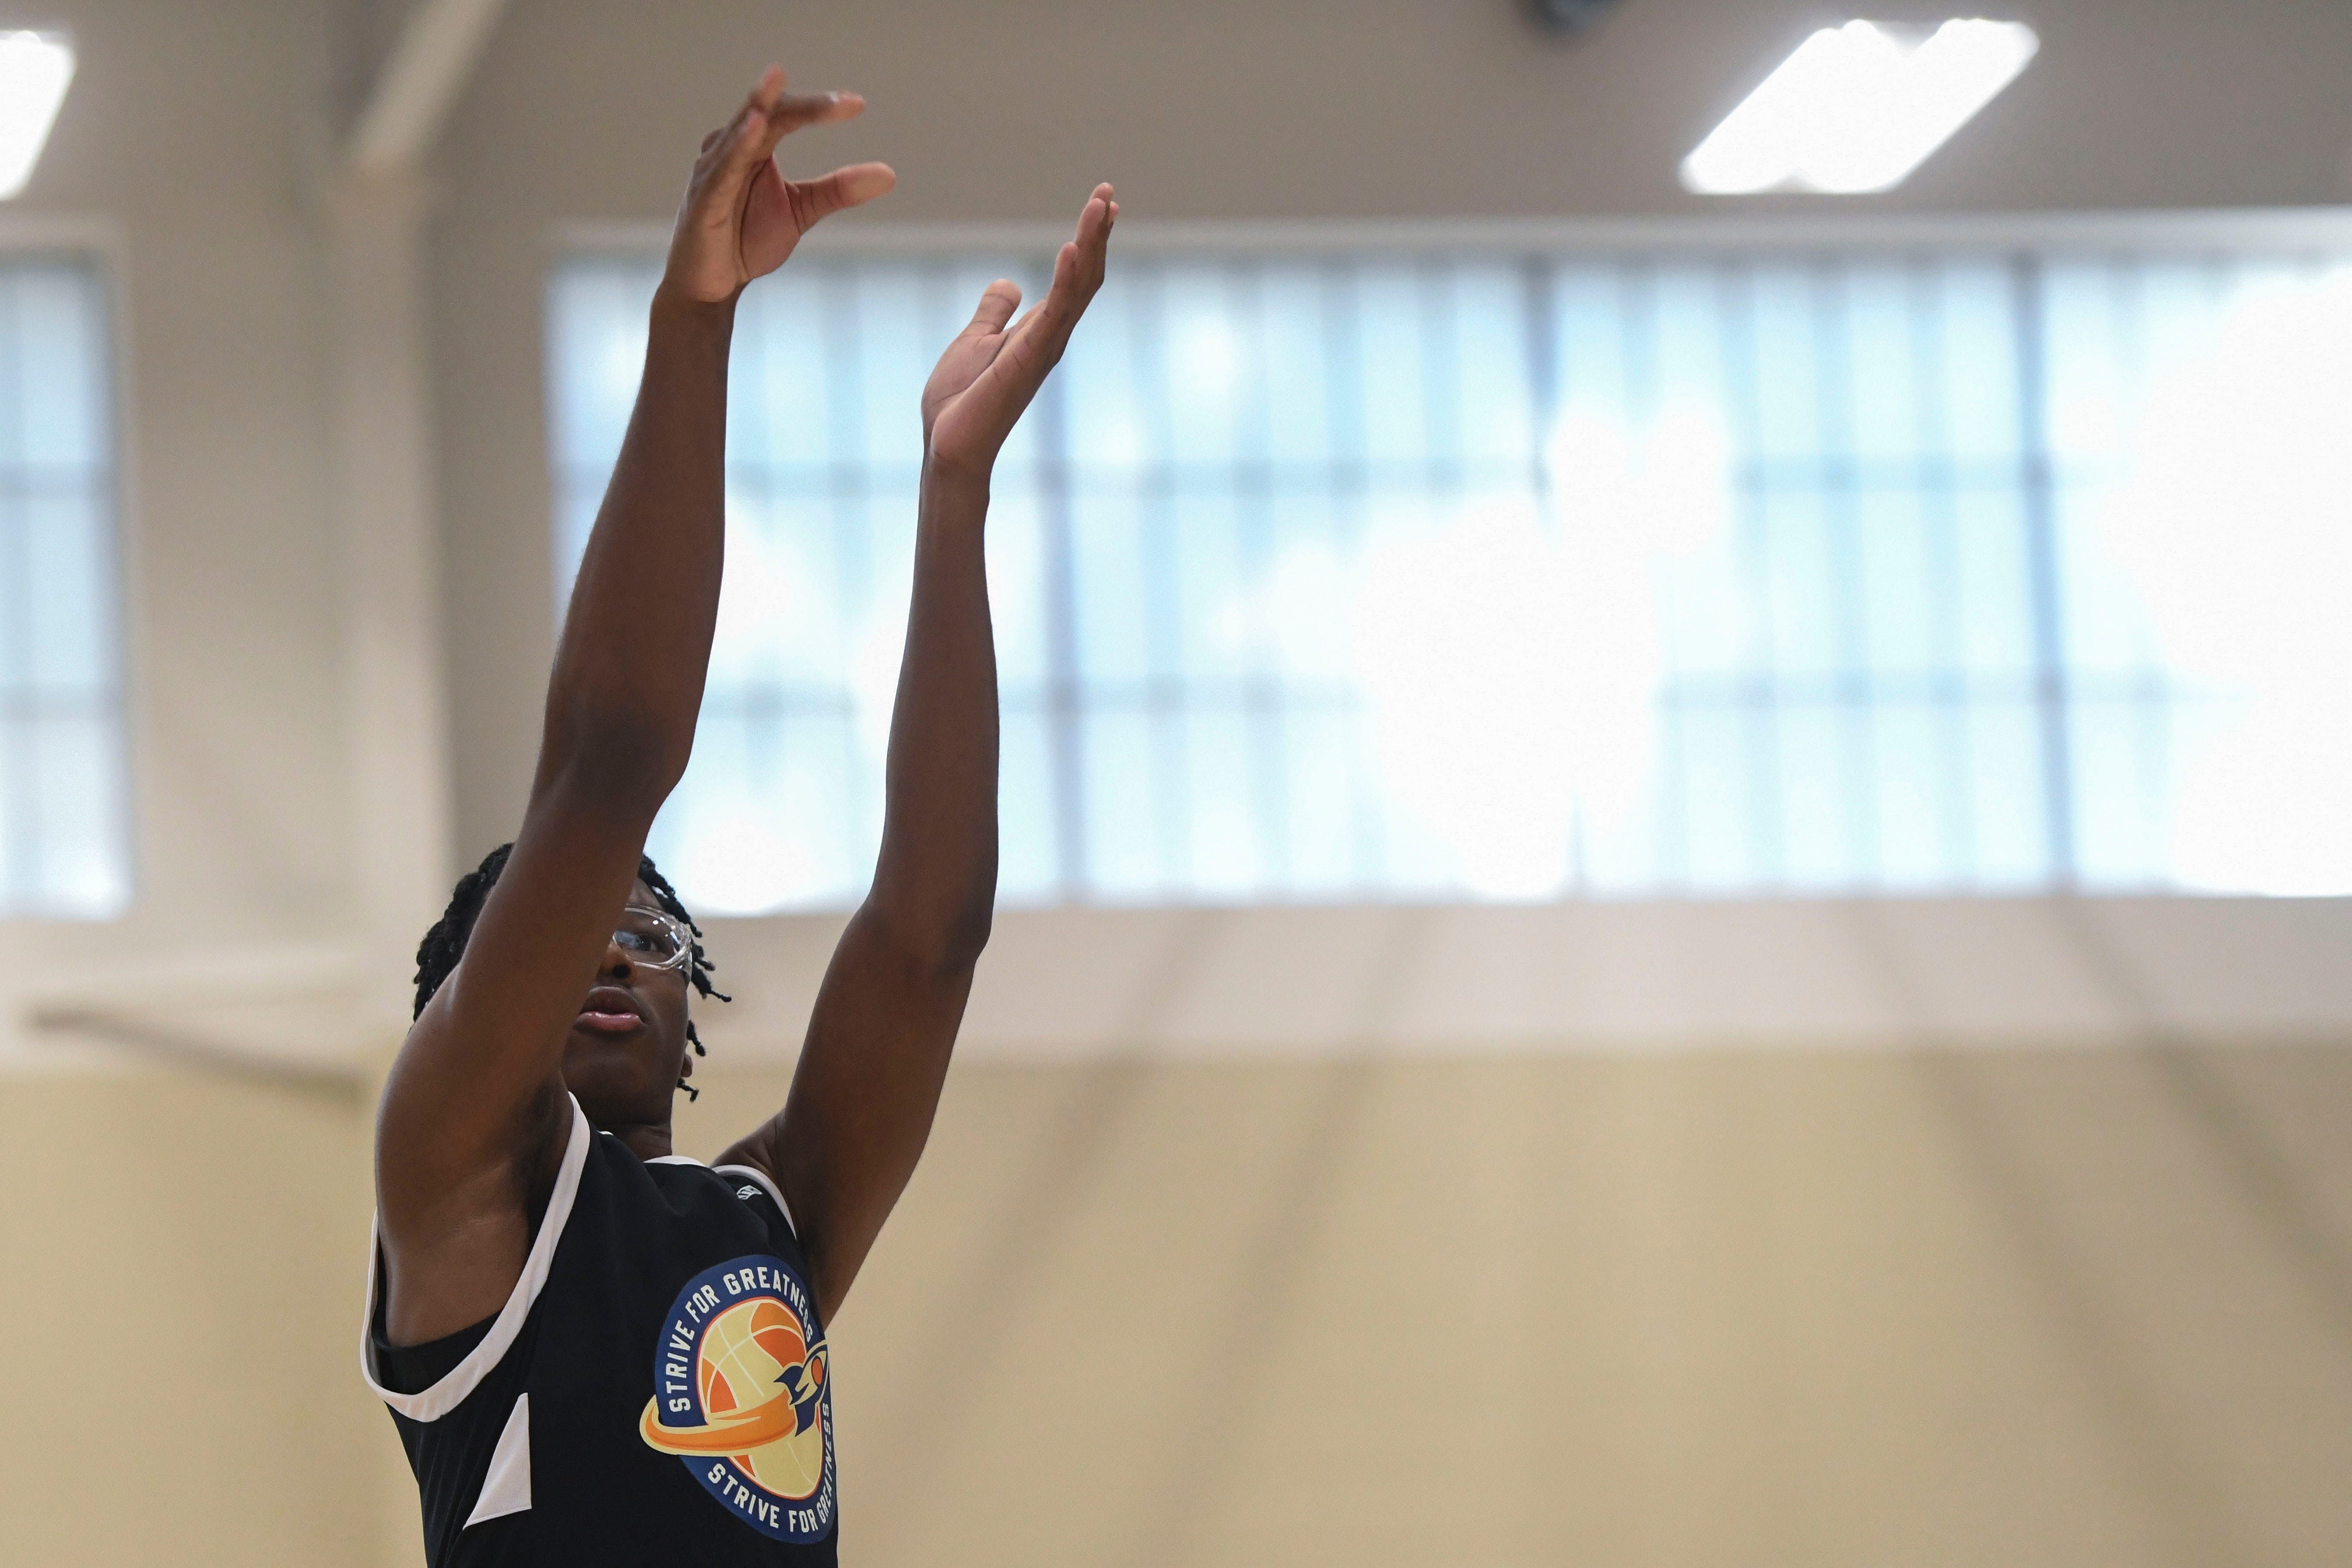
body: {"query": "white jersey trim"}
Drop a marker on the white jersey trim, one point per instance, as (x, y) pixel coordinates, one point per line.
(768, 1183)
(462, 1380)
(506, 1486)
(673, 1160)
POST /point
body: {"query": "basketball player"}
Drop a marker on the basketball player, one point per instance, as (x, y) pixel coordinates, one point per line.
(597, 1351)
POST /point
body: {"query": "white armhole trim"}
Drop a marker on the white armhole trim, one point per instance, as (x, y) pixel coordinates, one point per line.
(769, 1185)
(506, 1485)
(467, 1375)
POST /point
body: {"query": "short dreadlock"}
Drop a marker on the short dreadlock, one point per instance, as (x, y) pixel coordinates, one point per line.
(445, 944)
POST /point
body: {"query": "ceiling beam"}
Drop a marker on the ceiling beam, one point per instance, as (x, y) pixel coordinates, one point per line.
(439, 42)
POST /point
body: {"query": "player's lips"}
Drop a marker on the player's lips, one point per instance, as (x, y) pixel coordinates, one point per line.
(610, 1010)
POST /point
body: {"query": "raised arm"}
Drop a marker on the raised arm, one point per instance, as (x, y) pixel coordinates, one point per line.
(472, 1116)
(885, 1018)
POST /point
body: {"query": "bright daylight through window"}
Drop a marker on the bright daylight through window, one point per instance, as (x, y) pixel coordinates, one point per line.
(64, 830)
(1527, 575)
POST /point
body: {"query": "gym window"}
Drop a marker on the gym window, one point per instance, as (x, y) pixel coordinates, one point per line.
(1524, 575)
(65, 847)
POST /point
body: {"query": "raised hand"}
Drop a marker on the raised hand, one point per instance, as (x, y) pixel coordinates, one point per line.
(741, 217)
(990, 372)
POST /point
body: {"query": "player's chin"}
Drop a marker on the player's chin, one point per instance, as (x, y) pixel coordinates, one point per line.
(620, 1078)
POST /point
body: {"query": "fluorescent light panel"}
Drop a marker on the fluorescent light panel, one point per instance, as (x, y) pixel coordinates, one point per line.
(34, 69)
(1857, 108)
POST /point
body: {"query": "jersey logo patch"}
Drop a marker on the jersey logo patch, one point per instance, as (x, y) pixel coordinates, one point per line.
(742, 1396)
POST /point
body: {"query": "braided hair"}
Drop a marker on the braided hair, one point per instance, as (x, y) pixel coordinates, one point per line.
(445, 944)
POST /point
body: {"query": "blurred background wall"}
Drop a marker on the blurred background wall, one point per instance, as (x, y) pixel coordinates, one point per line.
(2014, 1227)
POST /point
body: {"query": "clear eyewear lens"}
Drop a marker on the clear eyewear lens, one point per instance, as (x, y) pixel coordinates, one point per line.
(653, 938)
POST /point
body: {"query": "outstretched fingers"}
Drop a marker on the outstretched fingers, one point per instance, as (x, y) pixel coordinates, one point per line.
(846, 187)
(734, 155)
(997, 303)
(1078, 269)
(990, 372)
(1092, 238)
(738, 147)
(788, 112)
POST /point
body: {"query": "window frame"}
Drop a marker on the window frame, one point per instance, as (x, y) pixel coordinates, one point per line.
(102, 245)
(2031, 242)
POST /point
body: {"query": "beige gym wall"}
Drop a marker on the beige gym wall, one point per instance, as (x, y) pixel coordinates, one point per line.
(2025, 1308)
(179, 1310)
(2031, 1307)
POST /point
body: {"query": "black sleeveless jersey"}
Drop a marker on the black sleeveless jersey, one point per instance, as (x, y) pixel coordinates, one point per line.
(655, 1390)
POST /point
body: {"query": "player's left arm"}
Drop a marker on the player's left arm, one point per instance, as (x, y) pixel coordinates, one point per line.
(885, 1018)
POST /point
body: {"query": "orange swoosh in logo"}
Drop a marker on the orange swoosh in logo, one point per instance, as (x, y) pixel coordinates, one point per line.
(733, 1433)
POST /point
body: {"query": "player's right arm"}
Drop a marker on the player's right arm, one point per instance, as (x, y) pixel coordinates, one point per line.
(474, 1114)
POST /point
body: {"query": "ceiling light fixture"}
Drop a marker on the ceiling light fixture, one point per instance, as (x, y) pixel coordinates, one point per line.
(34, 69)
(1857, 108)
(1570, 16)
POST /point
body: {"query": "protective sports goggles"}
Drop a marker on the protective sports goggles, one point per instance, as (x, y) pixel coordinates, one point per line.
(654, 938)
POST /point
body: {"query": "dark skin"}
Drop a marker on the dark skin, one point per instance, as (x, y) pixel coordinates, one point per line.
(631, 1075)
(474, 1114)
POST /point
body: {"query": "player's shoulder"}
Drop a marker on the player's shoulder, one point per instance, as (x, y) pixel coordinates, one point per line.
(682, 1176)
(755, 1186)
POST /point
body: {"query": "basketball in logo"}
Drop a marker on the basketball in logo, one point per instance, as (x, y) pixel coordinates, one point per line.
(741, 1396)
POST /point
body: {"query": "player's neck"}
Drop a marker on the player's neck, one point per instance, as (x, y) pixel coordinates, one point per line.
(647, 1140)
